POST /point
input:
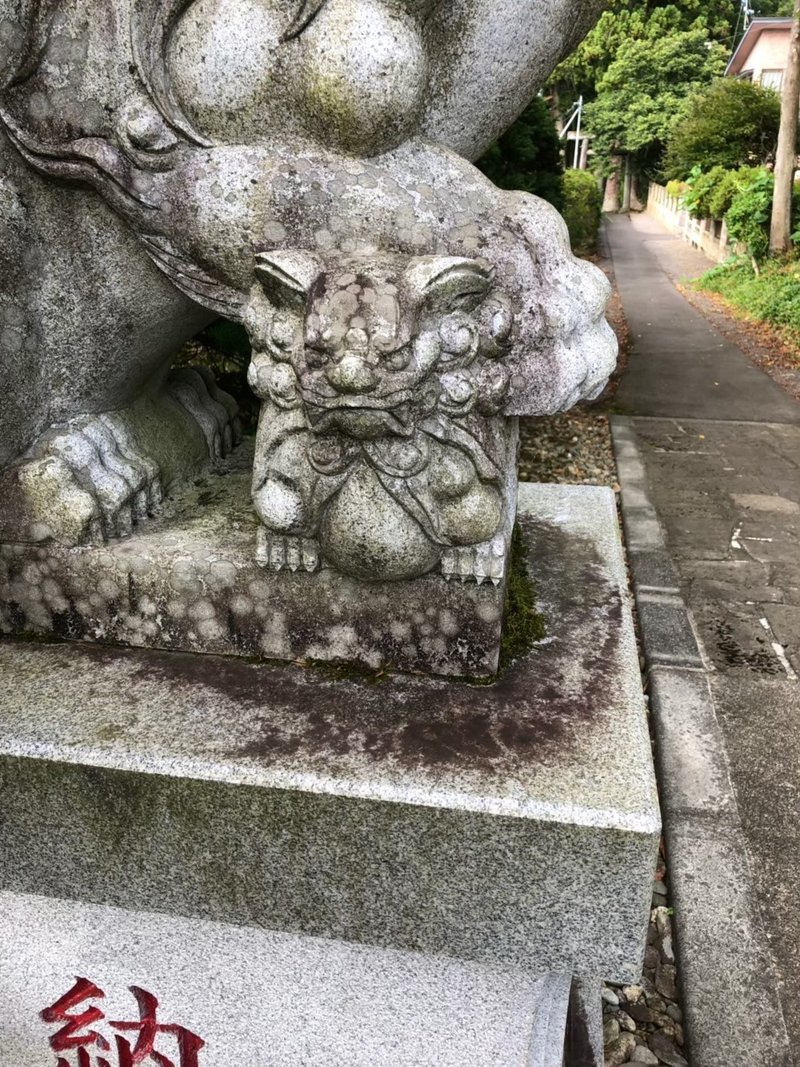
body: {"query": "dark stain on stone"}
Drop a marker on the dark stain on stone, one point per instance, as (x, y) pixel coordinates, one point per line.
(16, 616)
(534, 710)
(133, 594)
(538, 704)
(758, 660)
(579, 1046)
(69, 624)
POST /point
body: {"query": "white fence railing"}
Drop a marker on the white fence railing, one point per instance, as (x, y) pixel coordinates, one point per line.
(710, 235)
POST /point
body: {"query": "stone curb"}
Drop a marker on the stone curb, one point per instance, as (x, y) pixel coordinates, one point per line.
(733, 1016)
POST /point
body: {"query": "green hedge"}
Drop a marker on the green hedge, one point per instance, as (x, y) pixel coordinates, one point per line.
(583, 206)
(742, 197)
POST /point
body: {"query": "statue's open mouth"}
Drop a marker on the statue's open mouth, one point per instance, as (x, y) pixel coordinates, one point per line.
(362, 421)
(366, 401)
(363, 416)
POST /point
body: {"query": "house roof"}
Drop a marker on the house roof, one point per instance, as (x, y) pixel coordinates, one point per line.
(747, 43)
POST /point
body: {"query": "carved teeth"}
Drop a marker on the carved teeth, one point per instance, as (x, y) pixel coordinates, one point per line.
(310, 554)
(278, 552)
(292, 555)
(479, 563)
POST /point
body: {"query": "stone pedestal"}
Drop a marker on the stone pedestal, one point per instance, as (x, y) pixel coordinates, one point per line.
(191, 580)
(386, 857)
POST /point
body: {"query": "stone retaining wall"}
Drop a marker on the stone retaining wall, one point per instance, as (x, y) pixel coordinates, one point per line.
(709, 235)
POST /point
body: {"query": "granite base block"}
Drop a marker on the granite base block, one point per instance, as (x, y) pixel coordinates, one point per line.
(262, 999)
(490, 823)
(189, 579)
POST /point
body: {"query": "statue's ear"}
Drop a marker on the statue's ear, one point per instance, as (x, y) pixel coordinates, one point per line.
(450, 283)
(287, 276)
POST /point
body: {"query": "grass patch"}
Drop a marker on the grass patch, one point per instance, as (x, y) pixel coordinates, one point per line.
(771, 296)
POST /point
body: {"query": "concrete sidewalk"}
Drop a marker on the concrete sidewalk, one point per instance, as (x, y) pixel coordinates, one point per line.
(708, 451)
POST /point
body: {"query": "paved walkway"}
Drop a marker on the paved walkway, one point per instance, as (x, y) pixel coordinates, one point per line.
(710, 446)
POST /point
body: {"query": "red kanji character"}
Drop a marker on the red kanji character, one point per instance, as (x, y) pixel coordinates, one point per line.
(69, 1037)
(189, 1044)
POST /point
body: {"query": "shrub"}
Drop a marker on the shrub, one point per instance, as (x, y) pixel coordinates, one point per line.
(728, 124)
(676, 189)
(732, 181)
(748, 216)
(583, 206)
(528, 155)
(772, 295)
(701, 189)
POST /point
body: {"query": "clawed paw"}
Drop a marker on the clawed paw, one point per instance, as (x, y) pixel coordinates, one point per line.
(279, 552)
(481, 563)
(97, 458)
(214, 411)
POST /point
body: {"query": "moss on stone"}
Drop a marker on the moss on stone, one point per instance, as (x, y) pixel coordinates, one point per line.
(523, 625)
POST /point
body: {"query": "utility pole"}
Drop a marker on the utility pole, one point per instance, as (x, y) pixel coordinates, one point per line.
(786, 156)
(577, 162)
(577, 113)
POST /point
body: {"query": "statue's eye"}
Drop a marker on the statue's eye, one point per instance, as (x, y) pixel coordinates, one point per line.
(399, 359)
(284, 329)
(467, 299)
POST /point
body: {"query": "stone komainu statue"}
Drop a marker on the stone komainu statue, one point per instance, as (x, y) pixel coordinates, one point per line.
(302, 168)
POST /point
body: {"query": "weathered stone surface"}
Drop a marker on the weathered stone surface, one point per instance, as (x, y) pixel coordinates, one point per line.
(271, 164)
(489, 822)
(256, 997)
(189, 580)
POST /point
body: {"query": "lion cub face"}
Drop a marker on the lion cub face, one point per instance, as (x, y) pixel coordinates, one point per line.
(374, 343)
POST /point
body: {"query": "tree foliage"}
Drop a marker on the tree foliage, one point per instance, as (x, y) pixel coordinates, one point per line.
(650, 20)
(640, 20)
(528, 155)
(730, 123)
(643, 92)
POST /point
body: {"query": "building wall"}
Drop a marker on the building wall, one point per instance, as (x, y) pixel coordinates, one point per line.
(770, 53)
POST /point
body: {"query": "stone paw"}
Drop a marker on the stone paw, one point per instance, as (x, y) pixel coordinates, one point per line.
(280, 552)
(215, 412)
(95, 463)
(481, 563)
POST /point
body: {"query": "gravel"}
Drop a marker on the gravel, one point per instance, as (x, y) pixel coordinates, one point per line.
(650, 1012)
(574, 447)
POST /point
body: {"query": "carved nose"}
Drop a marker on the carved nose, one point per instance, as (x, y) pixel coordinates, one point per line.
(352, 375)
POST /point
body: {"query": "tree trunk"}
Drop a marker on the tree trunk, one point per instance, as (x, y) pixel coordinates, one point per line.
(611, 199)
(628, 183)
(786, 158)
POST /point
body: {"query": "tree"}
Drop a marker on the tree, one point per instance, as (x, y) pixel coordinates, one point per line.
(628, 20)
(640, 20)
(729, 123)
(528, 155)
(786, 159)
(643, 94)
